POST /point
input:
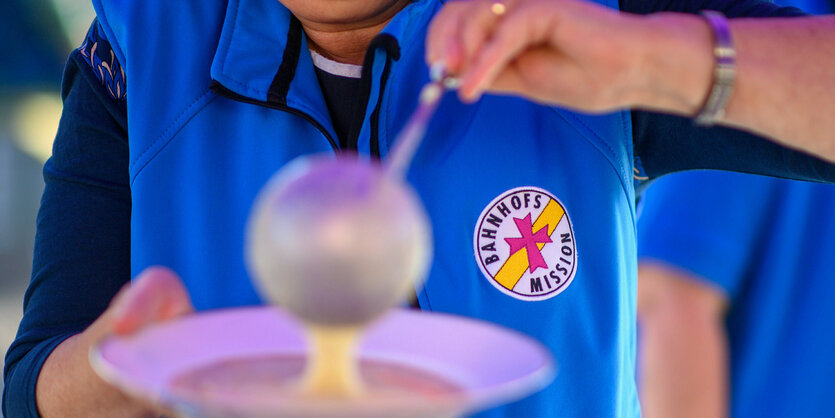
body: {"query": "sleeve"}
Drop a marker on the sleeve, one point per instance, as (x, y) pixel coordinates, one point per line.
(82, 244)
(665, 144)
(707, 223)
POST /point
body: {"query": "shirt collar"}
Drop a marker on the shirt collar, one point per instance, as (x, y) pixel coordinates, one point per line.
(263, 53)
(252, 46)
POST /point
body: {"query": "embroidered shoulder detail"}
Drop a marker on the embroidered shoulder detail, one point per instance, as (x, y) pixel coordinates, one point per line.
(638, 172)
(99, 55)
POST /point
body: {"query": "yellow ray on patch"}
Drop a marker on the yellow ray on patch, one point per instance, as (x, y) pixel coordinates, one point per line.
(515, 266)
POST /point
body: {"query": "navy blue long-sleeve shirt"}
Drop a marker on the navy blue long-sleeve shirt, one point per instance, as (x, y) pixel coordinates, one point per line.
(82, 250)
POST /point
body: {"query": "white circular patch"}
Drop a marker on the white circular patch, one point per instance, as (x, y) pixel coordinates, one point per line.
(524, 244)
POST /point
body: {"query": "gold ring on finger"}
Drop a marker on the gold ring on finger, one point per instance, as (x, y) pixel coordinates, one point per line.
(498, 8)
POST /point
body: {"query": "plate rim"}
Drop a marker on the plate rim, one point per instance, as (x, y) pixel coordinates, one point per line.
(471, 400)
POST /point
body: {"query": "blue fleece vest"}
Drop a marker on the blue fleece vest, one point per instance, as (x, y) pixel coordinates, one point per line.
(223, 93)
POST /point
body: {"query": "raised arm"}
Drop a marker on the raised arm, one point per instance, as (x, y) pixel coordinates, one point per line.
(580, 55)
(786, 72)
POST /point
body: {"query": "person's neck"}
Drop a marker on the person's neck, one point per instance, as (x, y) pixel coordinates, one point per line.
(348, 42)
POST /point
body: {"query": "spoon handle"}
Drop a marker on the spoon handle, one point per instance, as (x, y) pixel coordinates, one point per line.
(410, 137)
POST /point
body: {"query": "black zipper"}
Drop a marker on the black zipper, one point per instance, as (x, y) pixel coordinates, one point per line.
(221, 90)
(375, 115)
(357, 120)
(392, 48)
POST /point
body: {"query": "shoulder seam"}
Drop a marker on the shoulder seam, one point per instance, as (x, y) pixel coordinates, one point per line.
(170, 132)
(598, 142)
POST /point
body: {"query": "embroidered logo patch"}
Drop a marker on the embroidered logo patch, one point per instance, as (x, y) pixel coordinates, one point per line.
(524, 244)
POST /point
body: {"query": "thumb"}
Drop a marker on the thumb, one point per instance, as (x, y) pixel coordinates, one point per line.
(157, 294)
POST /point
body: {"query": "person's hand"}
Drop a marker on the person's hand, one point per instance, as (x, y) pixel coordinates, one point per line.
(566, 52)
(156, 295)
(67, 384)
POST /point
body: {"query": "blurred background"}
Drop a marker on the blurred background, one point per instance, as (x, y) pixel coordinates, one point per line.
(38, 36)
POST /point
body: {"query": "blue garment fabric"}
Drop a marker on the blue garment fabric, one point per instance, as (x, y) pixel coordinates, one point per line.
(203, 143)
(815, 7)
(91, 157)
(767, 245)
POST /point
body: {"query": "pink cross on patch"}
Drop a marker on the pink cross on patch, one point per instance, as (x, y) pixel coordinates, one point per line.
(529, 241)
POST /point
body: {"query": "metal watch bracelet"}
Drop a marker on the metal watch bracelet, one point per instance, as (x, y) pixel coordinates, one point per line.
(724, 72)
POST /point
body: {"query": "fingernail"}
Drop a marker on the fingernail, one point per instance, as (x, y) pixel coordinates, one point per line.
(452, 83)
(437, 72)
(123, 325)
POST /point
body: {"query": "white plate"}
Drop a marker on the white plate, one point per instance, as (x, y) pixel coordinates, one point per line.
(486, 365)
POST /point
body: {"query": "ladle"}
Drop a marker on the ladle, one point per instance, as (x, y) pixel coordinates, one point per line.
(339, 241)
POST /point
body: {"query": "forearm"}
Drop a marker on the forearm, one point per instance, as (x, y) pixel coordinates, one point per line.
(68, 386)
(682, 371)
(786, 75)
(784, 69)
(682, 348)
